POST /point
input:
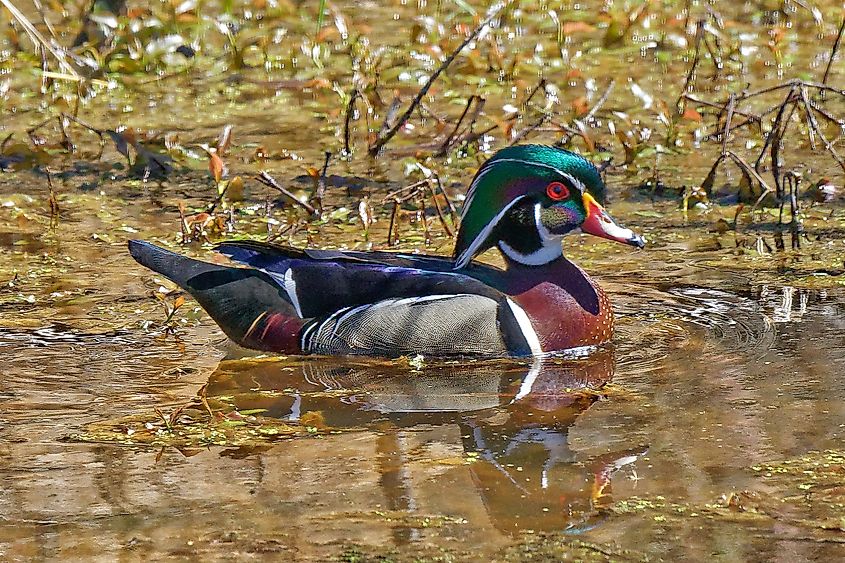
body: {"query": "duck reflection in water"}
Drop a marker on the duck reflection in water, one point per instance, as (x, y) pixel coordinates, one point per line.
(513, 421)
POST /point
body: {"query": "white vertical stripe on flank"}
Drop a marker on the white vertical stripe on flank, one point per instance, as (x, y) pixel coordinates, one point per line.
(290, 289)
(525, 327)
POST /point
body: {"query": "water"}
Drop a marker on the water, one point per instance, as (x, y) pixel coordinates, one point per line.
(701, 385)
(710, 429)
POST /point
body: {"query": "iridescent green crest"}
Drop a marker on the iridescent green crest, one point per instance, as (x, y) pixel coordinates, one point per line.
(510, 176)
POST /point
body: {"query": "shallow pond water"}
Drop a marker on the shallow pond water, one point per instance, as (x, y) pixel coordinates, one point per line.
(711, 428)
(634, 450)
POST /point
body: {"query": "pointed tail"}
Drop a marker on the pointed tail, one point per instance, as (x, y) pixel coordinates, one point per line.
(250, 307)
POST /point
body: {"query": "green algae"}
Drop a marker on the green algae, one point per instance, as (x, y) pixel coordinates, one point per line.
(191, 426)
(805, 493)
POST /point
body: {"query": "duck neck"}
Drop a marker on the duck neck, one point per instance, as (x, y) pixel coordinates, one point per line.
(523, 239)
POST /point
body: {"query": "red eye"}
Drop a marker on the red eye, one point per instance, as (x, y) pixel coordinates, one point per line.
(557, 191)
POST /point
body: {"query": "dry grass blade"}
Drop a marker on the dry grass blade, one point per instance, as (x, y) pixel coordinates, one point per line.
(40, 41)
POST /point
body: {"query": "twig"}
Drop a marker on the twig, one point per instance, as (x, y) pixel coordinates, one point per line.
(453, 213)
(390, 116)
(751, 172)
(715, 57)
(541, 84)
(321, 182)
(271, 182)
(446, 143)
(527, 130)
(439, 212)
(826, 114)
(384, 139)
(392, 223)
(44, 20)
(776, 126)
(814, 125)
(721, 106)
(699, 34)
(833, 51)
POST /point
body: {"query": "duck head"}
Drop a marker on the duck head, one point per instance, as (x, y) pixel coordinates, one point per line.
(526, 198)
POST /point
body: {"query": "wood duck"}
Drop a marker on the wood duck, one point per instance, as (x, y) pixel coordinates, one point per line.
(522, 201)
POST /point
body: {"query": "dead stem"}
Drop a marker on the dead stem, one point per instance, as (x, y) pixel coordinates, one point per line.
(383, 139)
(528, 130)
(321, 182)
(447, 143)
(776, 126)
(814, 126)
(393, 223)
(728, 118)
(52, 202)
(350, 108)
(442, 219)
(833, 51)
(600, 102)
(699, 34)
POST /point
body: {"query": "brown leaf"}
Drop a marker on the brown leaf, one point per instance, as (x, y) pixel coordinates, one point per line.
(215, 165)
(580, 106)
(569, 28)
(692, 115)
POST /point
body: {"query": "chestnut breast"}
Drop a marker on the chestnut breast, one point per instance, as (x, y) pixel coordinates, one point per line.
(566, 308)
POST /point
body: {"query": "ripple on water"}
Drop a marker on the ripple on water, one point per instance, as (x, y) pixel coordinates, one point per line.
(652, 323)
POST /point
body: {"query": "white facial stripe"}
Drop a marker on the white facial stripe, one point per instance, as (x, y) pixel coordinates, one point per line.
(525, 327)
(575, 181)
(471, 250)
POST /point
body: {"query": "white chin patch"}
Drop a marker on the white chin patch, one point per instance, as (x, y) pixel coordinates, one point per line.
(550, 251)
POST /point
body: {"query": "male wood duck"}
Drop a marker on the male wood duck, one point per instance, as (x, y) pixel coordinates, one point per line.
(522, 201)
